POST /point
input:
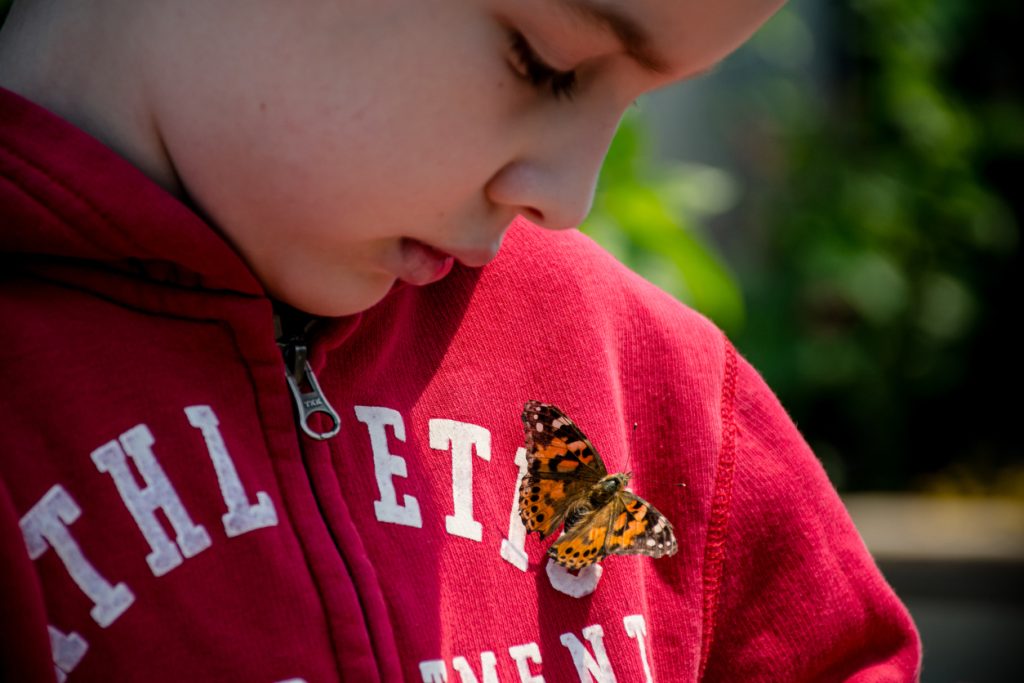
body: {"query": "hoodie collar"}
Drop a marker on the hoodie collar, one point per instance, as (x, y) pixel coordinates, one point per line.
(65, 194)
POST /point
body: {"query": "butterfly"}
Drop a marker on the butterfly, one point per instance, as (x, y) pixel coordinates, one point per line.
(567, 483)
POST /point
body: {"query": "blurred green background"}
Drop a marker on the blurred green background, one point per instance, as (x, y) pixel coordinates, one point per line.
(861, 244)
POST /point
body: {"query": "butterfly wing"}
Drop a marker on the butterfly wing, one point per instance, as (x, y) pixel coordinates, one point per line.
(562, 465)
(626, 525)
(639, 529)
(584, 543)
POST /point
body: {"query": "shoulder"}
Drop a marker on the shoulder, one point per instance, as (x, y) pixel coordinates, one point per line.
(781, 544)
(568, 278)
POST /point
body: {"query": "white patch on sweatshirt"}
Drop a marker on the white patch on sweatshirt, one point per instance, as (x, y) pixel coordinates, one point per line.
(387, 465)
(463, 439)
(434, 671)
(488, 668)
(636, 627)
(594, 668)
(45, 526)
(522, 655)
(593, 664)
(241, 516)
(143, 503)
(513, 548)
(68, 650)
(575, 586)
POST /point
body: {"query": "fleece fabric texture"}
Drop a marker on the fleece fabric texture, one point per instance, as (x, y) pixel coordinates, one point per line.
(162, 517)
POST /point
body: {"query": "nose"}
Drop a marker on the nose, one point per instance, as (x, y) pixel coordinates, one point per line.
(552, 178)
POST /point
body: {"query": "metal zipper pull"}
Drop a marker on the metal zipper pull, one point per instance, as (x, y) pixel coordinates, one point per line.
(297, 371)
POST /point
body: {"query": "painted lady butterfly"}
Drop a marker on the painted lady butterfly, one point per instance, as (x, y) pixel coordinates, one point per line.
(566, 481)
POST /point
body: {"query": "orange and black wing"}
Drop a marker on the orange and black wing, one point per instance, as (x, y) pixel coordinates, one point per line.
(562, 465)
(626, 525)
(637, 528)
(584, 544)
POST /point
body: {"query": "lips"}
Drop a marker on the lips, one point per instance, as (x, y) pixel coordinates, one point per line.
(476, 257)
(421, 264)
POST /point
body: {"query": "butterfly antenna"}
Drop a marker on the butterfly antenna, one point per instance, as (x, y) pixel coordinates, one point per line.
(632, 445)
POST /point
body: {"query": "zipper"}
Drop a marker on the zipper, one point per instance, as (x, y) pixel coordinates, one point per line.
(306, 393)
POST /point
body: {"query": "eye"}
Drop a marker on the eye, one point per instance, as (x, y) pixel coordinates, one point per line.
(538, 72)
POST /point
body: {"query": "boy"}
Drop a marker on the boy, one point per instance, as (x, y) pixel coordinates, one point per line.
(219, 186)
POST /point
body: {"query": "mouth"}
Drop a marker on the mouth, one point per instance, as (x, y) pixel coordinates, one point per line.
(476, 257)
(421, 264)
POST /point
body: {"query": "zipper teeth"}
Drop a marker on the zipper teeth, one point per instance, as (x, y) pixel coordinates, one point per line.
(294, 353)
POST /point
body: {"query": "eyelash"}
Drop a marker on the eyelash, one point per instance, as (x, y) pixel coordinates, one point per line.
(540, 73)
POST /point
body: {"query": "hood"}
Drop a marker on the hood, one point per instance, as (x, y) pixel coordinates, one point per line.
(65, 194)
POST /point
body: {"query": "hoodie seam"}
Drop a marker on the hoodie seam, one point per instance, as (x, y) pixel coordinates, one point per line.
(54, 182)
(38, 270)
(721, 503)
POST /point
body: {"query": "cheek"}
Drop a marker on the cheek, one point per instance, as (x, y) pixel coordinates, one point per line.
(332, 123)
(428, 116)
(439, 133)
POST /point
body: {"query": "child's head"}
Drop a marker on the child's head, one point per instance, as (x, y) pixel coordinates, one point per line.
(331, 139)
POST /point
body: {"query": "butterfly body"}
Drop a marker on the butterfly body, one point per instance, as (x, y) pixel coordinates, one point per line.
(566, 483)
(600, 494)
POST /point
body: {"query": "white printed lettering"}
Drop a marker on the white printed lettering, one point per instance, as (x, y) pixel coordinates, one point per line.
(45, 526)
(513, 548)
(68, 650)
(522, 655)
(584, 583)
(636, 628)
(143, 503)
(488, 668)
(241, 516)
(433, 671)
(463, 439)
(387, 465)
(598, 670)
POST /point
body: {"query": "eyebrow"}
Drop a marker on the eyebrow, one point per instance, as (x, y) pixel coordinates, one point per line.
(633, 37)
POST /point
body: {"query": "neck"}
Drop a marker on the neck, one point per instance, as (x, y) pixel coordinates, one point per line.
(64, 56)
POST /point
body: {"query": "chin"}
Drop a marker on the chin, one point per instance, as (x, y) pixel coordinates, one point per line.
(335, 301)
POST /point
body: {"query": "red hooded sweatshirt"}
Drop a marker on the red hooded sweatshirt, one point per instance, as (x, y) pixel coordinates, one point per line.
(163, 516)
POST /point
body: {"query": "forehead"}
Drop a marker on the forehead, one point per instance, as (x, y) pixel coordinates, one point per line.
(675, 38)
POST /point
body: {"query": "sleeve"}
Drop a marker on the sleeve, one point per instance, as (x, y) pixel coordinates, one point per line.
(791, 593)
(24, 643)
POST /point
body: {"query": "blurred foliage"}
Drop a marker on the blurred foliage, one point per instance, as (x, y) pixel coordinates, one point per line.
(890, 243)
(884, 235)
(649, 217)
